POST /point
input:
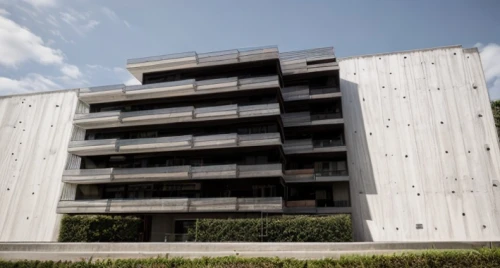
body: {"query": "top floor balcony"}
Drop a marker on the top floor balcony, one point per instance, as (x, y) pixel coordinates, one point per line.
(308, 61)
(192, 60)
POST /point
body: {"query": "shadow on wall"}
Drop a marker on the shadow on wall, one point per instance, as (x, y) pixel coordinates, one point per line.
(361, 173)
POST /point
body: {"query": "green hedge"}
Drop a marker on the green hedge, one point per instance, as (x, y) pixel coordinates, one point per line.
(98, 228)
(480, 258)
(337, 228)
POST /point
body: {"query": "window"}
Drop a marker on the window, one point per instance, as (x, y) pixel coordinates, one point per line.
(330, 168)
(140, 191)
(264, 190)
(111, 191)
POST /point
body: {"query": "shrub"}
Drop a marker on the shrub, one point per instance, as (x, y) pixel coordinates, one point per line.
(98, 228)
(337, 228)
(457, 258)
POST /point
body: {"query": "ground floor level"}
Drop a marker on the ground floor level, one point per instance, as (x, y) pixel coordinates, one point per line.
(173, 227)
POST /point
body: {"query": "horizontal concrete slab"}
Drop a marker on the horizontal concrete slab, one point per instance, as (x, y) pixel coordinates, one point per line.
(79, 251)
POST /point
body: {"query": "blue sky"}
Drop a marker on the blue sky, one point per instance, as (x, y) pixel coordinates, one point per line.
(54, 44)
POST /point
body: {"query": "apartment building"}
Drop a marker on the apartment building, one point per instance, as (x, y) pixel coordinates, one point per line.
(239, 133)
(404, 142)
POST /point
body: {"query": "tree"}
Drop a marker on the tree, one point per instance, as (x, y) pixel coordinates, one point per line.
(495, 107)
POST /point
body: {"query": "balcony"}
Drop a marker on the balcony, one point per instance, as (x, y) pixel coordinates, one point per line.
(311, 206)
(191, 60)
(168, 144)
(297, 93)
(308, 61)
(172, 205)
(173, 115)
(303, 119)
(308, 146)
(177, 173)
(190, 87)
(296, 207)
(311, 175)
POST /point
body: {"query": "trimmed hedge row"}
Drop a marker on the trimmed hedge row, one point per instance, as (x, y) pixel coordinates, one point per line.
(99, 228)
(469, 258)
(337, 228)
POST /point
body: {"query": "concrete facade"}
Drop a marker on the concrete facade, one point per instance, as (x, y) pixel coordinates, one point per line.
(34, 134)
(420, 144)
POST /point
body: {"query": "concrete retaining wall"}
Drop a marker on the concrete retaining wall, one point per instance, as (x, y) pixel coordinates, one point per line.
(79, 251)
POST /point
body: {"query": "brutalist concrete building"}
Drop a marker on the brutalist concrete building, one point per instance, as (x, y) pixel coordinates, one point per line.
(404, 142)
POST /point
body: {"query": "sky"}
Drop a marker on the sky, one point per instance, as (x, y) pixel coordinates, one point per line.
(56, 44)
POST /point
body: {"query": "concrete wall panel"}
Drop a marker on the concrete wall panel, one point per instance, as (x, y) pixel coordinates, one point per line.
(34, 135)
(422, 146)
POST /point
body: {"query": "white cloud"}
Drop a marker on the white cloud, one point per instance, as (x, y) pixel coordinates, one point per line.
(490, 57)
(127, 24)
(90, 25)
(58, 34)
(4, 12)
(32, 13)
(30, 83)
(41, 3)
(110, 14)
(113, 16)
(71, 71)
(19, 45)
(53, 21)
(79, 21)
(68, 18)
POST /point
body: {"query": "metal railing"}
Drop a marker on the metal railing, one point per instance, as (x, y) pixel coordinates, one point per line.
(331, 173)
(317, 91)
(342, 203)
(323, 116)
(327, 143)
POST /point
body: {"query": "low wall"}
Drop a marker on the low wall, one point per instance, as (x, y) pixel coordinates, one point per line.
(79, 251)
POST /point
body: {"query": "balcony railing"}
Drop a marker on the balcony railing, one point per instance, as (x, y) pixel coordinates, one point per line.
(196, 60)
(306, 119)
(306, 146)
(177, 143)
(188, 87)
(327, 173)
(341, 203)
(324, 116)
(310, 206)
(173, 115)
(308, 61)
(323, 91)
(166, 205)
(115, 175)
(311, 175)
(296, 93)
(328, 143)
